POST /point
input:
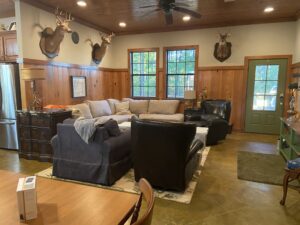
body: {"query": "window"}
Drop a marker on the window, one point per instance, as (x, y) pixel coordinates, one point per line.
(265, 87)
(180, 70)
(143, 70)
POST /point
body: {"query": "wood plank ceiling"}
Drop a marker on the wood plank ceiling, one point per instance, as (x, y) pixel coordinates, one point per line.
(106, 14)
(7, 8)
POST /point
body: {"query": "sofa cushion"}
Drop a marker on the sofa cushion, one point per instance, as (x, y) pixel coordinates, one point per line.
(163, 106)
(111, 103)
(138, 106)
(99, 108)
(112, 128)
(118, 118)
(179, 117)
(84, 110)
(122, 108)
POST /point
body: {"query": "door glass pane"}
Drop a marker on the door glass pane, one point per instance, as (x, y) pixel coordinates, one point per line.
(261, 72)
(259, 87)
(273, 71)
(271, 88)
(258, 102)
(270, 103)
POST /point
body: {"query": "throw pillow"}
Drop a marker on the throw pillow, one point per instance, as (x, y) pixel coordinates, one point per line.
(138, 106)
(163, 106)
(84, 110)
(111, 103)
(122, 108)
(99, 108)
(112, 128)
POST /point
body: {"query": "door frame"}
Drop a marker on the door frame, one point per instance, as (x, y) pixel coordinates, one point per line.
(245, 84)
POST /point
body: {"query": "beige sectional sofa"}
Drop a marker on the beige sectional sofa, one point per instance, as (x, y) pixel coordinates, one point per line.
(121, 111)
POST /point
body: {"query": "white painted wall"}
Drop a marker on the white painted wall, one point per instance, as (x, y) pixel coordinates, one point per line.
(296, 57)
(29, 37)
(247, 40)
(7, 21)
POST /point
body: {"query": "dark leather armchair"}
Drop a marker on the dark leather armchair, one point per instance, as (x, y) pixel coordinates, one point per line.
(218, 108)
(164, 153)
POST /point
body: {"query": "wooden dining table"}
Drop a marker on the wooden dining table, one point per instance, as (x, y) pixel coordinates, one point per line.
(64, 203)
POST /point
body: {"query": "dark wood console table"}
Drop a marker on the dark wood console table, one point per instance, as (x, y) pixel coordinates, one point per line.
(35, 130)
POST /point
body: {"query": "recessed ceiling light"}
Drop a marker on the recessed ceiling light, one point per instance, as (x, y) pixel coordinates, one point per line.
(81, 3)
(122, 24)
(268, 9)
(186, 18)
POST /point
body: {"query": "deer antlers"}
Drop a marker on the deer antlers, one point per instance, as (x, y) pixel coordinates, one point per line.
(63, 17)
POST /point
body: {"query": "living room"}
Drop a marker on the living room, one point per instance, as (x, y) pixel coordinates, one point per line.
(240, 180)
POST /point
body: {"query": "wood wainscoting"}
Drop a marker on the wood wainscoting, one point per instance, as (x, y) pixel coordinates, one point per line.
(226, 82)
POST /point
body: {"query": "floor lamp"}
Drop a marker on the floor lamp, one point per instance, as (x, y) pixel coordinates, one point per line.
(32, 75)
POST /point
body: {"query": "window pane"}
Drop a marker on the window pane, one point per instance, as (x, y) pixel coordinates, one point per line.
(259, 87)
(171, 81)
(136, 69)
(261, 72)
(152, 68)
(171, 92)
(189, 81)
(145, 57)
(145, 69)
(144, 91)
(136, 91)
(136, 58)
(152, 81)
(152, 91)
(180, 56)
(258, 103)
(180, 81)
(190, 67)
(179, 92)
(136, 81)
(270, 103)
(273, 71)
(271, 88)
(152, 57)
(190, 55)
(171, 68)
(144, 81)
(181, 68)
(171, 56)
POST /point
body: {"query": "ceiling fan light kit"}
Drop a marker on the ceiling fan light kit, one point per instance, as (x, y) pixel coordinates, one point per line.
(81, 3)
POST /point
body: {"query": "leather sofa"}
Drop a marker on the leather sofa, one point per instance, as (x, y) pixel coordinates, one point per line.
(102, 161)
(164, 153)
(214, 114)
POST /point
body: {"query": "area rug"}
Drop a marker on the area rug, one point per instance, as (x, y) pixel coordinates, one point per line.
(128, 184)
(262, 167)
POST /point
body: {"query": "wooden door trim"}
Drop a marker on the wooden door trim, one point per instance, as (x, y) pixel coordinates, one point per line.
(245, 84)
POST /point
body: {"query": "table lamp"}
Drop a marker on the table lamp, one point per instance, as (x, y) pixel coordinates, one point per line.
(189, 97)
(33, 74)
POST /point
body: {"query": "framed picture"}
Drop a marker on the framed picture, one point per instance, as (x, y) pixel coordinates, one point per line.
(12, 26)
(78, 86)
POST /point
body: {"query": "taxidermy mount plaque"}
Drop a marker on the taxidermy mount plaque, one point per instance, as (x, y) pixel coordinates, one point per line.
(222, 48)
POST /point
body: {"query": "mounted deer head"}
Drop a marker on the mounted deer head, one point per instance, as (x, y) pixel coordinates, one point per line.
(98, 52)
(50, 40)
(222, 48)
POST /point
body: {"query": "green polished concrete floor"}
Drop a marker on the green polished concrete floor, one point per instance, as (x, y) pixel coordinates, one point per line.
(220, 198)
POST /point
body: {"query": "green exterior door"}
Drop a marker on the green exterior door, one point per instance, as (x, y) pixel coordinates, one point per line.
(264, 106)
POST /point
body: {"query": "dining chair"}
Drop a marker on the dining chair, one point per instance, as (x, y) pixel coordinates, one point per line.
(132, 216)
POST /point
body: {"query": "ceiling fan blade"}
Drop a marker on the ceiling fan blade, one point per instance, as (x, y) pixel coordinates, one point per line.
(187, 11)
(181, 4)
(150, 12)
(148, 6)
(169, 18)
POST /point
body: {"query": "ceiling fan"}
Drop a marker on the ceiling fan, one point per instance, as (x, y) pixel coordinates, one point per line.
(168, 6)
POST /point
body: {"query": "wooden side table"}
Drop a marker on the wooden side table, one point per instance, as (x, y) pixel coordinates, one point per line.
(290, 176)
(35, 130)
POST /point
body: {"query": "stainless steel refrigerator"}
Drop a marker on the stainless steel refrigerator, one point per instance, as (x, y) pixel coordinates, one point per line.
(9, 91)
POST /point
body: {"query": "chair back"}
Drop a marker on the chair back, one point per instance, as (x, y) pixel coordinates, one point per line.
(148, 194)
(218, 107)
(159, 152)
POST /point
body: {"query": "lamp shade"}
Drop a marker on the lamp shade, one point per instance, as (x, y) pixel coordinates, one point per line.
(33, 74)
(189, 95)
